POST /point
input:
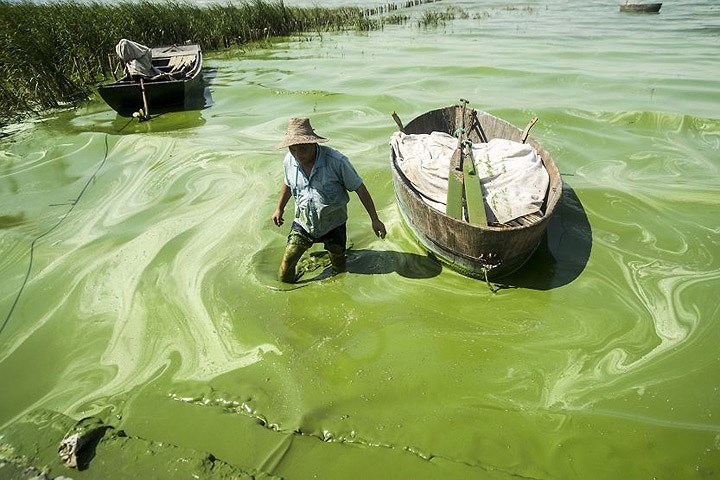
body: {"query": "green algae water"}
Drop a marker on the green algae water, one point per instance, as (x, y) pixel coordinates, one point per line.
(138, 266)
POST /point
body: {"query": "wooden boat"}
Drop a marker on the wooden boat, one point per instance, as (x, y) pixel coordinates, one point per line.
(175, 83)
(486, 251)
(640, 7)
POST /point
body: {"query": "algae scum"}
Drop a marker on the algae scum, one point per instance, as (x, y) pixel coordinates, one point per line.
(150, 308)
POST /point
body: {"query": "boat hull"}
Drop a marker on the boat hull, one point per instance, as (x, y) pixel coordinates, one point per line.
(474, 250)
(641, 7)
(126, 97)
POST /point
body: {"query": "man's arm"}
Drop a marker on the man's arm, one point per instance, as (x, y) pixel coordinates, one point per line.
(277, 217)
(367, 201)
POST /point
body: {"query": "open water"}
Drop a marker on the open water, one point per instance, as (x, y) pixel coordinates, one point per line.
(151, 301)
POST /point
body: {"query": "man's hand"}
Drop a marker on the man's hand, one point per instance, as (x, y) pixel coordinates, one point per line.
(367, 201)
(379, 228)
(284, 197)
(277, 217)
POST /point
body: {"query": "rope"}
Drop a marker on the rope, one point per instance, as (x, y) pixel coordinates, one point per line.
(73, 203)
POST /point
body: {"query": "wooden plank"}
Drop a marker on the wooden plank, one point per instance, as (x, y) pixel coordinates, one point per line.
(473, 191)
(454, 202)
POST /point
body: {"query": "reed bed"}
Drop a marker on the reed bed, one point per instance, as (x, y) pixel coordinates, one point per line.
(54, 54)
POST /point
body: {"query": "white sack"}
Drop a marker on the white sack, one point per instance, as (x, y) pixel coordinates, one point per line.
(512, 175)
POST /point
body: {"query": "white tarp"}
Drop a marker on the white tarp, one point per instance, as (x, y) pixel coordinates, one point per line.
(513, 178)
(137, 59)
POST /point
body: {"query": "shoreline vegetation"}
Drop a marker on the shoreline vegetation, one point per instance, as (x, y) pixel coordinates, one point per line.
(56, 54)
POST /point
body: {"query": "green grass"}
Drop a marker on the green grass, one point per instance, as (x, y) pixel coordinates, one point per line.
(396, 19)
(436, 18)
(55, 54)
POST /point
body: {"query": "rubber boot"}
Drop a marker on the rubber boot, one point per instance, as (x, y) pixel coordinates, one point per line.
(286, 272)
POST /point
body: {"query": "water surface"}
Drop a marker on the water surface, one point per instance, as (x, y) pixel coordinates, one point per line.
(151, 300)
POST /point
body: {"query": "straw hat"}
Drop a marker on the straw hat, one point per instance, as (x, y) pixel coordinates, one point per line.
(299, 131)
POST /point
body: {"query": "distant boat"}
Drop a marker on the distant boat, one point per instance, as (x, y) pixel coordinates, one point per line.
(640, 7)
(161, 78)
(484, 248)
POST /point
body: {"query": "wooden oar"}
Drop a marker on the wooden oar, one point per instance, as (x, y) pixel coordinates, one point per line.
(145, 114)
(456, 188)
(464, 188)
(454, 202)
(474, 202)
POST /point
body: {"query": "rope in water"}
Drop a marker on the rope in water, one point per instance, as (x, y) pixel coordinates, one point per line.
(73, 204)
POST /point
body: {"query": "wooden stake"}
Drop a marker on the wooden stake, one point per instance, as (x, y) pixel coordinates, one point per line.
(398, 121)
(146, 113)
(526, 132)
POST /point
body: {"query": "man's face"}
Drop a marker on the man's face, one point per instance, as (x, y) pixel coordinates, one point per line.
(304, 152)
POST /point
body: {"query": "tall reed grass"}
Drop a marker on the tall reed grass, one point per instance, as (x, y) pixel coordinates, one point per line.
(56, 53)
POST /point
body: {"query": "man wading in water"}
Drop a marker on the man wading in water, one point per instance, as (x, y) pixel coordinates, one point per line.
(318, 177)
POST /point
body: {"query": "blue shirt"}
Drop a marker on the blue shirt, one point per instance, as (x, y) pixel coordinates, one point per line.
(321, 200)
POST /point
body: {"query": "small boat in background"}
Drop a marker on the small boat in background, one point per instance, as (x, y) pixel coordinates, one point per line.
(477, 245)
(640, 7)
(156, 79)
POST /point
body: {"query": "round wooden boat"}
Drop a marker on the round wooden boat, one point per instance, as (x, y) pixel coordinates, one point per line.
(480, 251)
